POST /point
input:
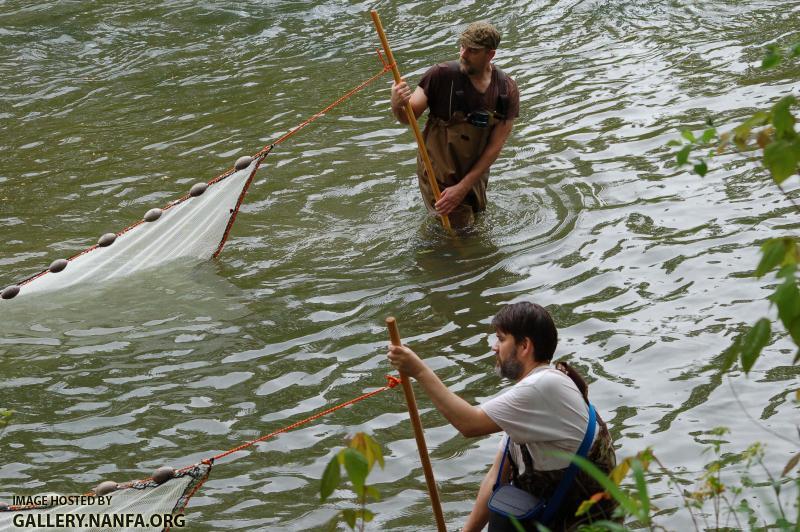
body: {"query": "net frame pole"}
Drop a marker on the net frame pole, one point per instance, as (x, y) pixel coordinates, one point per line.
(412, 119)
(419, 434)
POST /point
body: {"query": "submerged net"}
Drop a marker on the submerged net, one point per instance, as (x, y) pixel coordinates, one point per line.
(192, 227)
(138, 506)
(154, 504)
(188, 228)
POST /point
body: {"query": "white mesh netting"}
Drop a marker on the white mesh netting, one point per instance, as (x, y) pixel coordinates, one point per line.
(140, 506)
(189, 229)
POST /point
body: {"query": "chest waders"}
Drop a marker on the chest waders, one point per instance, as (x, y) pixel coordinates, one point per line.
(454, 145)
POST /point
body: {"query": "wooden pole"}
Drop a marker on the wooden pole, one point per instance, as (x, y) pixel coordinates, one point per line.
(412, 119)
(394, 336)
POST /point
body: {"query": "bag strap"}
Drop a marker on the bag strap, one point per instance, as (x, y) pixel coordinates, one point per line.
(566, 481)
(501, 107)
(502, 462)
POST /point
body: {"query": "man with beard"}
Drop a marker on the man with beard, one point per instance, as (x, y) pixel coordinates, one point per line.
(545, 410)
(472, 105)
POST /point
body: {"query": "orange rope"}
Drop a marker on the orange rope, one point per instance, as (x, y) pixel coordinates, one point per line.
(260, 155)
(318, 114)
(392, 382)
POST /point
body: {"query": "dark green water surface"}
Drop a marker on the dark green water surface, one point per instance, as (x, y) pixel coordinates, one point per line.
(110, 108)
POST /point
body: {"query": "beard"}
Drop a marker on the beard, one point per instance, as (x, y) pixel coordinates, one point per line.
(511, 368)
(466, 68)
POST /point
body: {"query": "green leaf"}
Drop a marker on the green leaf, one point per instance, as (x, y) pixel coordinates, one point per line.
(782, 117)
(794, 331)
(795, 50)
(674, 142)
(780, 159)
(731, 354)
(682, 157)
(5, 417)
(787, 299)
(701, 168)
(708, 135)
(688, 135)
(641, 488)
(759, 118)
(349, 516)
(772, 253)
(719, 431)
(787, 270)
(518, 526)
(741, 134)
(371, 449)
(357, 468)
(361, 444)
(330, 479)
(628, 504)
(375, 449)
(772, 58)
(373, 492)
(366, 515)
(617, 474)
(753, 342)
(585, 506)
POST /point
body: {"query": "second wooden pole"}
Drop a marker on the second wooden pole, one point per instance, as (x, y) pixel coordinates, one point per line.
(394, 336)
(412, 118)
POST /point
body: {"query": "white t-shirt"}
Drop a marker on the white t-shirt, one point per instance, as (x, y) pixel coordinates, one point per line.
(544, 410)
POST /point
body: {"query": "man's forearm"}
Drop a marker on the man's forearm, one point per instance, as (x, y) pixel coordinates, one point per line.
(461, 414)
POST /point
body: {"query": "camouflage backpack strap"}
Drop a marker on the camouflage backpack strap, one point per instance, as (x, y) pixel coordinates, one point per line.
(501, 108)
(457, 103)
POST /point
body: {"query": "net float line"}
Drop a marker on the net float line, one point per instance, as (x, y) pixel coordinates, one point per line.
(243, 162)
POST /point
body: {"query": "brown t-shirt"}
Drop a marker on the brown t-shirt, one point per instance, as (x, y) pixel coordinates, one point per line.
(442, 82)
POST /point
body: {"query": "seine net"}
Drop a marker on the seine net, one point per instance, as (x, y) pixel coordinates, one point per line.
(189, 228)
(142, 505)
(192, 227)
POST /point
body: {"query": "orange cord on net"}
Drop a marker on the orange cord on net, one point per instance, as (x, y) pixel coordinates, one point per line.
(265, 151)
(392, 382)
(259, 158)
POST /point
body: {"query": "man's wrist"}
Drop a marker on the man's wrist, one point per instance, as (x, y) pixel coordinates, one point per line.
(426, 374)
(463, 186)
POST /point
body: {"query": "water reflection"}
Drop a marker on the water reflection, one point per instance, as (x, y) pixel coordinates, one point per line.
(644, 266)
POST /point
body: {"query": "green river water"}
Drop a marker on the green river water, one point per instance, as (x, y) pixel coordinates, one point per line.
(110, 108)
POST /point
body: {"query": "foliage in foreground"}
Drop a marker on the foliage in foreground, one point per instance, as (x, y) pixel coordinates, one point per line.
(712, 502)
(773, 133)
(358, 458)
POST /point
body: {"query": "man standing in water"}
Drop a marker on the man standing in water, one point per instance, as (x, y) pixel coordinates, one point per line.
(546, 410)
(472, 106)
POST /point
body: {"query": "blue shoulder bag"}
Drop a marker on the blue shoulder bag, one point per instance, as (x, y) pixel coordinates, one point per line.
(510, 501)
